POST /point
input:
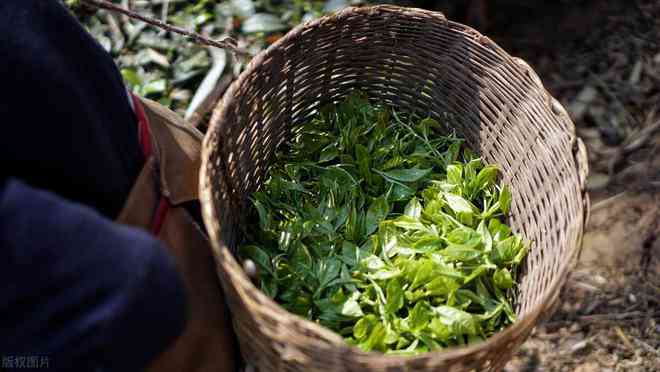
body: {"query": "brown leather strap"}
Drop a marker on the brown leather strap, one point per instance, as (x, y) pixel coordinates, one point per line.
(208, 342)
(177, 147)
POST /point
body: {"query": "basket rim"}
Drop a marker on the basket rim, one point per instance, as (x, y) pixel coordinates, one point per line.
(223, 256)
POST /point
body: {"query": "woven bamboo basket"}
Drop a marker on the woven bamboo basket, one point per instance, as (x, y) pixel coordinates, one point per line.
(414, 60)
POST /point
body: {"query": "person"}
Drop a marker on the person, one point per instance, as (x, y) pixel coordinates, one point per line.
(104, 264)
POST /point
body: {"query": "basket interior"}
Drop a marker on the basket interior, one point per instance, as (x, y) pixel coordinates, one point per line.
(422, 63)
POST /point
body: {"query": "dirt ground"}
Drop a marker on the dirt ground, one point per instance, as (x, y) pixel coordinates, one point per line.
(601, 59)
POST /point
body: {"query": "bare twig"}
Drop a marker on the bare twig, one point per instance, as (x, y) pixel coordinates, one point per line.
(636, 141)
(163, 14)
(605, 318)
(616, 316)
(227, 43)
(606, 202)
(642, 138)
(624, 338)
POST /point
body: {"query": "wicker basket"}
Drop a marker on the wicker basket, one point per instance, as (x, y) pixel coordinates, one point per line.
(415, 60)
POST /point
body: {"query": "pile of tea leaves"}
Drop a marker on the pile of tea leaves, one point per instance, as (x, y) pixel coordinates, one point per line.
(374, 225)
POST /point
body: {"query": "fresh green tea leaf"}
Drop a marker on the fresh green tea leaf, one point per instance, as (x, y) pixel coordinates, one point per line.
(423, 274)
(458, 321)
(364, 326)
(378, 210)
(441, 286)
(505, 199)
(478, 271)
(502, 278)
(407, 175)
(485, 179)
(464, 237)
(373, 263)
(351, 308)
(441, 331)
(329, 153)
(486, 238)
(376, 339)
(413, 209)
(384, 274)
(458, 204)
(395, 299)
(455, 174)
(507, 249)
(373, 225)
(498, 230)
(460, 253)
(419, 316)
(400, 192)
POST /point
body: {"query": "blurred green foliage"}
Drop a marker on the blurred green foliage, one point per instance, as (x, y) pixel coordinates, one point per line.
(170, 68)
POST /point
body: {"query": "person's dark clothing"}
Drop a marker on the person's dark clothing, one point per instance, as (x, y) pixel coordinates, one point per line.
(88, 294)
(79, 290)
(67, 123)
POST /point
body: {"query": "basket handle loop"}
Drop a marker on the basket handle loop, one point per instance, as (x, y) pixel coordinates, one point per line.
(582, 162)
(529, 71)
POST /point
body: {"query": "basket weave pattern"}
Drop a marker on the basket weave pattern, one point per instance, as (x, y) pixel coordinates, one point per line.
(416, 61)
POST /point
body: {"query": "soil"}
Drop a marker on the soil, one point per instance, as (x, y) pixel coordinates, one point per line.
(601, 59)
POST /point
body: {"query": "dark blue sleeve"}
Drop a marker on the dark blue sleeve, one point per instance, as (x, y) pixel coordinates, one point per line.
(80, 292)
(67, 125)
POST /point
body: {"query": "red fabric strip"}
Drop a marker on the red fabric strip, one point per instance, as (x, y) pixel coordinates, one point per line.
(147, 149)
(159, 217)
(143, 127)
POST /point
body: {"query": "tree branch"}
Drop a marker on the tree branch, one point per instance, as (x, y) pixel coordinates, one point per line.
(227, 43)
